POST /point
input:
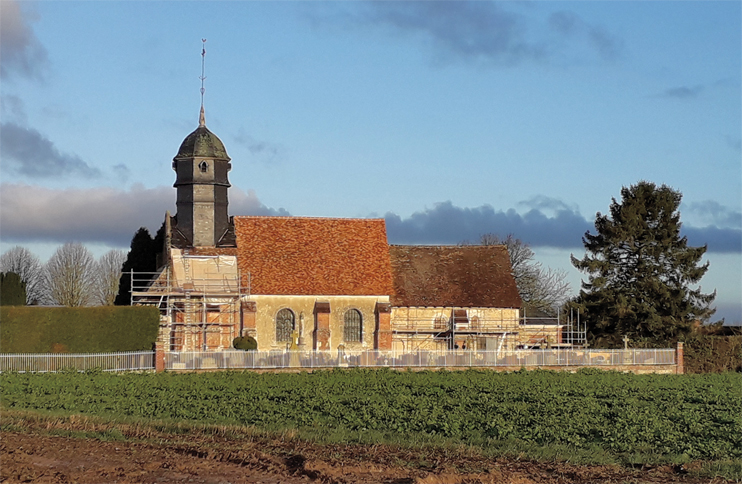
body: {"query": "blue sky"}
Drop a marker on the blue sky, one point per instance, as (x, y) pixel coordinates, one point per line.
(448, 119)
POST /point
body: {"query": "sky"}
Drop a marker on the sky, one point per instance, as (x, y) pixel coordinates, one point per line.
(448, 119)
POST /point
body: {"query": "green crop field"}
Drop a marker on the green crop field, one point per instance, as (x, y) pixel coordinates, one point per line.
(675, 417)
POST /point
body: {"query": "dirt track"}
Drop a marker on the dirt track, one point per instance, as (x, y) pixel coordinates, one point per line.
(34, 454)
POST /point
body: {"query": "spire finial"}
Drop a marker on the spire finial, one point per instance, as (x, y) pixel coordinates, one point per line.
(202, 116)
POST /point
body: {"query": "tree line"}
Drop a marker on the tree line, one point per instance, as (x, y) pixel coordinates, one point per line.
(73, 277)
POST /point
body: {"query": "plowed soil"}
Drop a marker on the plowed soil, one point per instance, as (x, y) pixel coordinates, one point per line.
(37, 453)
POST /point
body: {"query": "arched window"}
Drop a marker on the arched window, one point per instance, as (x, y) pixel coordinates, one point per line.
(284, 325)
(352, 327)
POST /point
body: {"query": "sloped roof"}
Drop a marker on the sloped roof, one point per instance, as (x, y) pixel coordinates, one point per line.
(313, 256)
(440, 276)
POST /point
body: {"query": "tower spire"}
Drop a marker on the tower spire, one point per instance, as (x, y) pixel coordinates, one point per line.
(202, 116)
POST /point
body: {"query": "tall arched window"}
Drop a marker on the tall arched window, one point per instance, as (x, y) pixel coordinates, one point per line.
(284, 325)
(352, 330)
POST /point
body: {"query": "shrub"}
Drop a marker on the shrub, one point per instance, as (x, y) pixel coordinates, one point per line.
(247, 343)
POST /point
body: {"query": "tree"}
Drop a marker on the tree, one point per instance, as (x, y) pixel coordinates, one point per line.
(71, 275)
(21, 261)
(641, 271)
(541, 289)
(142, 257)
(108, 274)
(12, 290)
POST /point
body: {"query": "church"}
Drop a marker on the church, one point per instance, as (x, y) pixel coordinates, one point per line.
(309, 283)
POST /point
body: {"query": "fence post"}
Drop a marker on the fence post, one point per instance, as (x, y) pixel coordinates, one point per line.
(679, 366)
(159, 356)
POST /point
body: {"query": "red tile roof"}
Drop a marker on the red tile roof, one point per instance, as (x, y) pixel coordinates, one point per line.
(440, 276)
(313, 256)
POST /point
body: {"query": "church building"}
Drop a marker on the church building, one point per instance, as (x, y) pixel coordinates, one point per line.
(318, 283)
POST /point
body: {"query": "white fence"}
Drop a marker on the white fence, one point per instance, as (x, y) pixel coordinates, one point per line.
(125, 361)
(204, 360)
(212, 360)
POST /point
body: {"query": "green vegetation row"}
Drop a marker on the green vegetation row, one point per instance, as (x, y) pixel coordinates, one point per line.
(97, 329)
(674, 416)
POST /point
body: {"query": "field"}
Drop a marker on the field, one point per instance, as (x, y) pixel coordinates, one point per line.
(592, 418)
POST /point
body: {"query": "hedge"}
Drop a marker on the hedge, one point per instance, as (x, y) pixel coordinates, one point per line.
(101, 329)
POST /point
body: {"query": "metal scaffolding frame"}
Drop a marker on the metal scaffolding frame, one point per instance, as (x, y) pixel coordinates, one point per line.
(195, 306)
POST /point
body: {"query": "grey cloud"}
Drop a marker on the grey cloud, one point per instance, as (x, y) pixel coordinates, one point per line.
(541, 202)
(271, 150)
(470, 30)
(713, 213)
(30, 213)
(448, 224)
(27, 152)
(20, 49)
(607, 45)
(682, 92)
(12, 107)
(568, 24)
(121, 172)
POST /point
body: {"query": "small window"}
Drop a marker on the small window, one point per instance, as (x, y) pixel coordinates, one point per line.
(352, 331)
(284, 325)
(203, 166)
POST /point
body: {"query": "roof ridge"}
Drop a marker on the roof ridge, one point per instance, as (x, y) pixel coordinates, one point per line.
(287, 217)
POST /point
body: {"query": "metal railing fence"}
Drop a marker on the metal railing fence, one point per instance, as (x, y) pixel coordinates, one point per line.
(204, 360)
(234, 359)
(52, 362)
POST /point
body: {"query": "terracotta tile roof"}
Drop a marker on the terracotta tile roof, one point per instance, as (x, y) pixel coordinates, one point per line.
(314, 256)
(440, 276)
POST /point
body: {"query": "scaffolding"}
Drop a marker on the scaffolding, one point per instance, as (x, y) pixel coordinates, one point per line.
(572, 331)
(417, 328)
(199, 298)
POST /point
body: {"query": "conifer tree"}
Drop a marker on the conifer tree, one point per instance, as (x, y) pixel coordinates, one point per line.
(142, 257)
(642, 273)
(12, 290)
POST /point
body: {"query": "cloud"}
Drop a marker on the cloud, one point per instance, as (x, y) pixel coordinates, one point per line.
(448, 224)
(563, 228)
(12, 107)
(568, 24)
(20, 50)
(682, 92)
(709, 212)
(478, 31)
(27, 152)
(30, 213)
(266, 148)
(469, 30)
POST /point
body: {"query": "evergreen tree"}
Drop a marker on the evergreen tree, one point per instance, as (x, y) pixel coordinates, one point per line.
(12, 290)
(641, 271)
(142, 257)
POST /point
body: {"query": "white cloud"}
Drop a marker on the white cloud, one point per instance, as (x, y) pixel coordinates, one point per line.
(30, 213)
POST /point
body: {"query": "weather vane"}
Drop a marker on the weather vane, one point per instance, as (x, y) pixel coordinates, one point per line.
(202, 119)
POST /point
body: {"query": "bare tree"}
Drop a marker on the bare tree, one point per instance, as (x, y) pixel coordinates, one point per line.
(108, 274)
(71, 275)
(21, 261)
(542, 289)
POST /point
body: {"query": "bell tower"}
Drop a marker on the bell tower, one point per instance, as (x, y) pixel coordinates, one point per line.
(201, 167)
